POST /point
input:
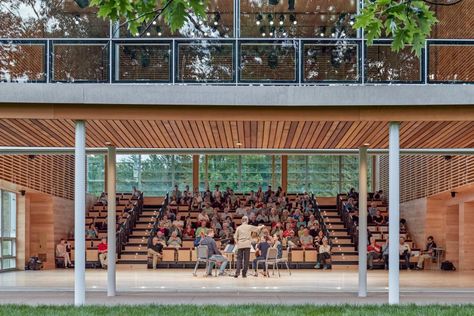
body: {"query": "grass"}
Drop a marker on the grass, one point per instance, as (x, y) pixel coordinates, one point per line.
(260, 310)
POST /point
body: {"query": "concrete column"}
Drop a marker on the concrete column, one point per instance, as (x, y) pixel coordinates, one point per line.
(80, 215)
(111, 222)
(394, 212)
(362, 221)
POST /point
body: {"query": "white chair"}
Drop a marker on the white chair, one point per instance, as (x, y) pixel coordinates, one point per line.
(283, 259)
(271, 259)
(202, 253)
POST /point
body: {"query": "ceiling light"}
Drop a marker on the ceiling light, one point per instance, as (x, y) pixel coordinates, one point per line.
(238, 144)
(270, 19)
(282, 19)
(293, 19)
(259, 19)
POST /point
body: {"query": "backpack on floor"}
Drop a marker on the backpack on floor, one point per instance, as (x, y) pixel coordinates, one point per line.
(34, 263)
(448, 266)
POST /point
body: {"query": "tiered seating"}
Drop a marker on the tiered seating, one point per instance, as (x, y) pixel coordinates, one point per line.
(98, 215)
(379, 232)
(135, 252)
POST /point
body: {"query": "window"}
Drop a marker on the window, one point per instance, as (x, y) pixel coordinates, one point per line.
(241, 173)
(7, 231)
(324, 175)
(153, 174)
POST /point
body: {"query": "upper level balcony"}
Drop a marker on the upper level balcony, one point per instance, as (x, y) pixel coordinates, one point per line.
(242, 42)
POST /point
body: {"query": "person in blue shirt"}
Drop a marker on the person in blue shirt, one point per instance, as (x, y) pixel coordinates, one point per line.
(214, 254)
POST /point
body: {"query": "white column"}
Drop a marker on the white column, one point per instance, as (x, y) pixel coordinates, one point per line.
(80, 215)
(111, 222)
(362, 221)
(394, 212)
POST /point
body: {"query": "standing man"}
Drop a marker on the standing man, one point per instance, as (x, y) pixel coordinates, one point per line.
(243, 240)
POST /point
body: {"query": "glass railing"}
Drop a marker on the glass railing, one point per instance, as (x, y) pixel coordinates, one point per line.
(315, 61)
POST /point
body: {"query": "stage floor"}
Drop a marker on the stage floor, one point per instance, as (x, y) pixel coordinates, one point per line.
(136, 286)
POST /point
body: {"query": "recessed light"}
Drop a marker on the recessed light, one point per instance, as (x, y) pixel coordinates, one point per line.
(238, 144)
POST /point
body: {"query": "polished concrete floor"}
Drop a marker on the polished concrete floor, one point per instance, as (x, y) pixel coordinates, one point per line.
(138, 286)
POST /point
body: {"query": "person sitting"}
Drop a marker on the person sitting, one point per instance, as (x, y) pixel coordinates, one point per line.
(353, 194)
(278, 245)
(276, 230)
(372, 209)
(174, 241)
(203, 216)
(293, 241)
(261, 253)
(374, 251)
(135, 193)
(161, 238)
(61, 251)
(188, 232)
(102, 248)
(155, 250)
(176, 194)
(378, 219)
(324, 255)
(379, 195)
(318, 240)
(428, 253)
(91, 232)
(306, 239)
(405, 252)
(214, 254)
(202, 228)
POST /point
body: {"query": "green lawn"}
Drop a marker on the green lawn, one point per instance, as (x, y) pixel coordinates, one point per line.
(261, 310)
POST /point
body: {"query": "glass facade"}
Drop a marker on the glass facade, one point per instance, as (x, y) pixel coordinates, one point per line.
(238, 42)
(7, 230)
(324, 175)
(241, 173)
(155, 175)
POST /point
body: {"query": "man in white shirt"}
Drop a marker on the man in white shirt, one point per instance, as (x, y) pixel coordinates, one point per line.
(243, 241)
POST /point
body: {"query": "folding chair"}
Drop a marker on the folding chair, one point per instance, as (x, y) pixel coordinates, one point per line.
(271, 259)
(202, 257)
(283, 259)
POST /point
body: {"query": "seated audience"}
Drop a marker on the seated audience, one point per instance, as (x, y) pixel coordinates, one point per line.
(91, 232)
(324, 255)
(174, 241)
(155, 250)
(306, 239)
(102, 247)
(405, 252)
(188, 231)
(428, 253)
(62, 252)
(379, 219)
(374, 251)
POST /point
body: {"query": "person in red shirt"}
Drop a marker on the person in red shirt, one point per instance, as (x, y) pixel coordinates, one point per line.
(374, 251)
(102, 247)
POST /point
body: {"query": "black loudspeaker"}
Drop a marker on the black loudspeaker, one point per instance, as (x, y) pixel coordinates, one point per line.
(273, 2)
(82, 3)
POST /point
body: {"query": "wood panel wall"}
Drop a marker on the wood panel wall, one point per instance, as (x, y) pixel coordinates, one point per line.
(422, 175)
(49, 174)
(449, 220)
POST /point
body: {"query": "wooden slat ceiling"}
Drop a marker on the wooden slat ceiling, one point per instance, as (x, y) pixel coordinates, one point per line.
(227, 134)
